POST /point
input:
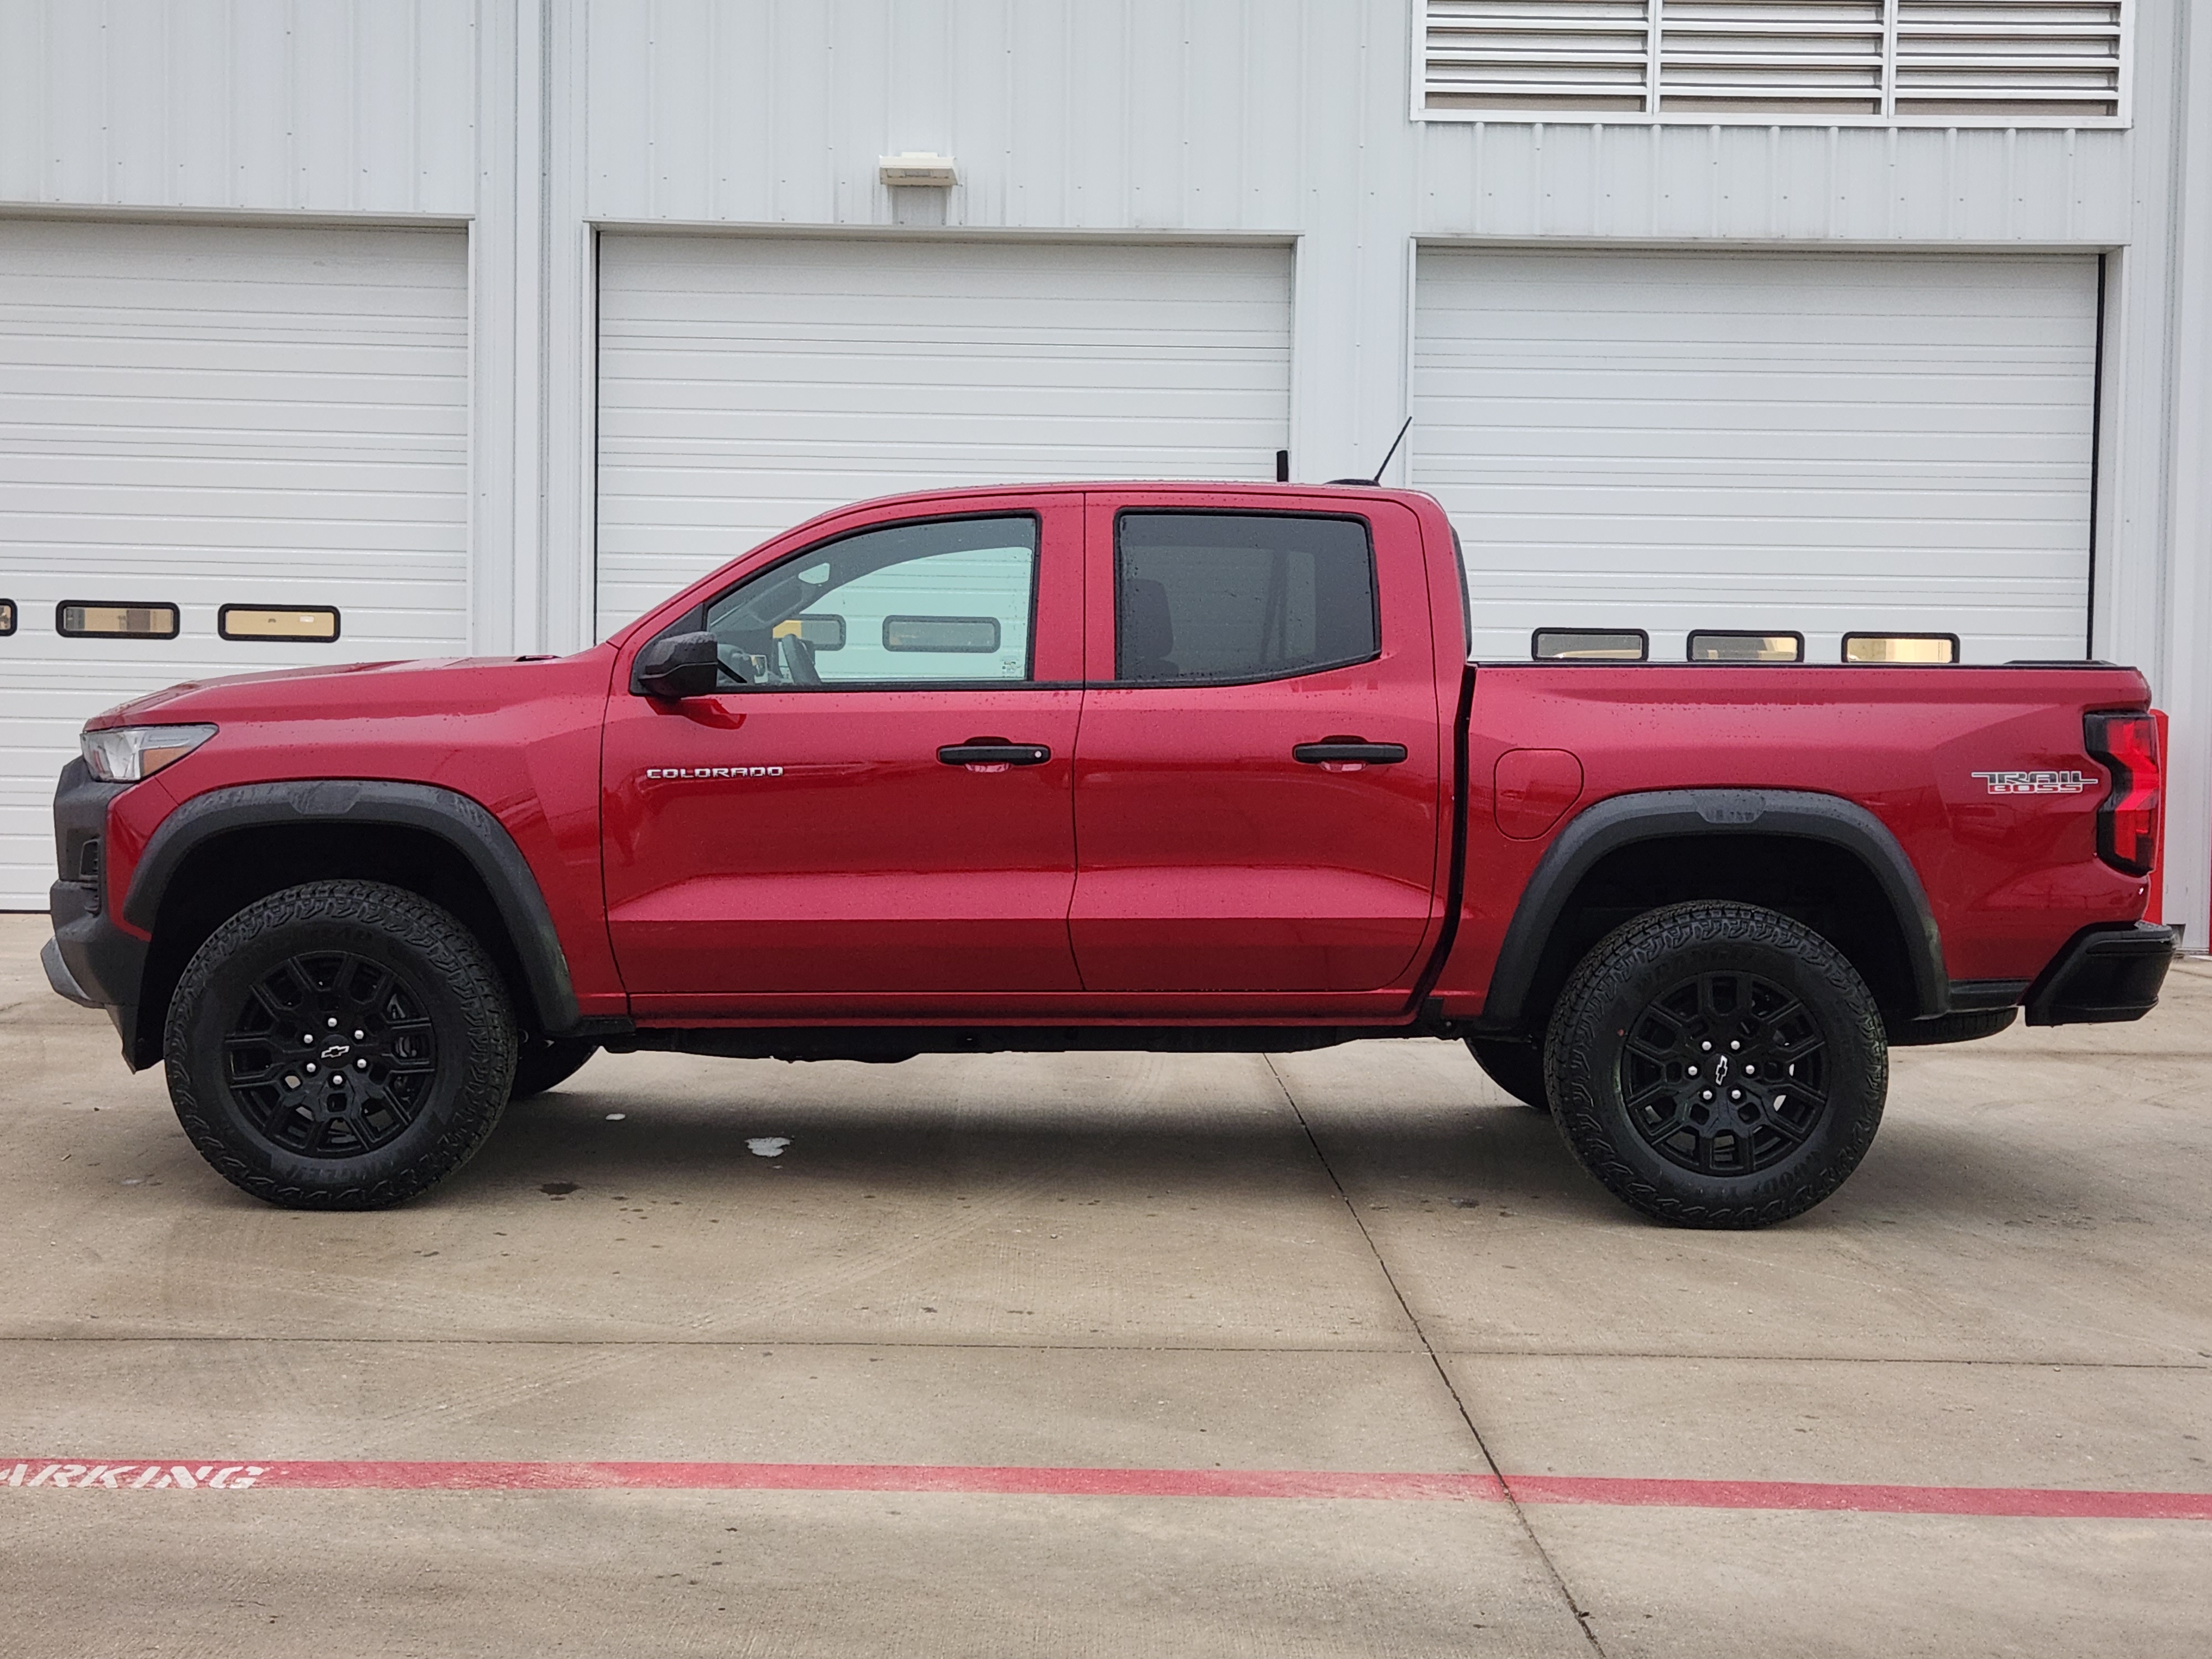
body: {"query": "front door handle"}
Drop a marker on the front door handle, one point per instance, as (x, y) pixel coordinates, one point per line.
(994, 752)
(1349, 752)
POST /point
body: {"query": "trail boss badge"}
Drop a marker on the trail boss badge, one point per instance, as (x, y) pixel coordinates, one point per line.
(2034, 783)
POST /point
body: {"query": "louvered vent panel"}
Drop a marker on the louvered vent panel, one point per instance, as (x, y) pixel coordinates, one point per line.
(1568, 56)
(1783, 57)
(1990, 61)
(2007, 58)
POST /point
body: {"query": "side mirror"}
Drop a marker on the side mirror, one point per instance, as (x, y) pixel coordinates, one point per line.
(680, 665)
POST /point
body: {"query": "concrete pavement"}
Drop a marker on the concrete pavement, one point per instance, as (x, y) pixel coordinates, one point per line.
(1361, 1259)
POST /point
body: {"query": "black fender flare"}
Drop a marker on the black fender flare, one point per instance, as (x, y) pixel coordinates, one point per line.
(1619, 821)
(462, 824)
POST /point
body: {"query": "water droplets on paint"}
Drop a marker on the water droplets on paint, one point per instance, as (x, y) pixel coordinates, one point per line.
(768, 1145)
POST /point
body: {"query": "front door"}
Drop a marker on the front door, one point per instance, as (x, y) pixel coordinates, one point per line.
(876, 802)
(1258, 793)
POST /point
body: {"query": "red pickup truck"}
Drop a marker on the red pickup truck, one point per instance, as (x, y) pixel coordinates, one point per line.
(1162, 767)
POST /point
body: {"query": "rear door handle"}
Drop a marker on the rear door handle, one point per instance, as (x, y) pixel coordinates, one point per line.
(993, 751)
(1353, 751)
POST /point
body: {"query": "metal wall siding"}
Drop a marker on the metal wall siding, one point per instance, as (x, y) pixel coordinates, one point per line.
(211, 415)
(1184, 115)
(1158, 114)
(325, 106)
(1774, 183)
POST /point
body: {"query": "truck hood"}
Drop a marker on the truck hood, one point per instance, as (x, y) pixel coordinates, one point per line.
(458, 686)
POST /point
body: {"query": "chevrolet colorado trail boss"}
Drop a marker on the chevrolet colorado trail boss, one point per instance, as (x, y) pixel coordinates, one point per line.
(1101, 767)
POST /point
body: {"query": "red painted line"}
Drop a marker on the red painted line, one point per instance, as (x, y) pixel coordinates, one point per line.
(2032, 1502)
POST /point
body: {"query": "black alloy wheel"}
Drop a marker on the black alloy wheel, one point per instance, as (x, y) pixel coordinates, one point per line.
(1723, 1074)
(339, 1045)
(330, 1055)
(1718, 1064)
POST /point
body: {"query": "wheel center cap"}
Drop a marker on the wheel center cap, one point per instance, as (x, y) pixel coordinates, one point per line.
(1720, 1069)
(338, 1051)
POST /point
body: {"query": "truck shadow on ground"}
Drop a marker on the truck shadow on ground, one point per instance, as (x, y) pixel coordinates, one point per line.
(1478, 1156)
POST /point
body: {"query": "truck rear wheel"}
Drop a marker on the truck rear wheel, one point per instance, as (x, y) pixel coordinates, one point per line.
(340, 1045)
(1516, 1067)
(1718, 1064)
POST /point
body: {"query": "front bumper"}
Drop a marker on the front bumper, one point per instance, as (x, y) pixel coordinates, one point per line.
(2104, 974)
(90, 960)
(58, 977)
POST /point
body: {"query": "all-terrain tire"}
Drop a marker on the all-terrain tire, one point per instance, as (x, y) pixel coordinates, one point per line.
(1680, 988)
(339, 979)
(543, 1063)
(1516, 1067)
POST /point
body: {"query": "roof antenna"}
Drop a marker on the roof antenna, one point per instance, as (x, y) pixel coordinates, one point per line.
(1376, 480)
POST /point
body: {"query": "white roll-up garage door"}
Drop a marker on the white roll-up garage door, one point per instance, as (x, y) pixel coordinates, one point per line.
(1817, 443)
(746, 383)
(201, 416)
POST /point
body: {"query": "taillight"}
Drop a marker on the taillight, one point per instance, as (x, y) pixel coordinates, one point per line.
(2127, 822)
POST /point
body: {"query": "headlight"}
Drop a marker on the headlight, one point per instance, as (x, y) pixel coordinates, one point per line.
(125, 754)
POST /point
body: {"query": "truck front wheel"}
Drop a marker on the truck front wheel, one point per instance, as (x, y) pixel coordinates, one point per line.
(1718, 1064)
(339, 1045)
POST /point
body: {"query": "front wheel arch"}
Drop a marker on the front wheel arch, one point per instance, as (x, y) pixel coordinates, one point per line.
(224, 849)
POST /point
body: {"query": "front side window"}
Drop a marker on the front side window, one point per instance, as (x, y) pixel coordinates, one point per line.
(1228, 596)
(918, 604)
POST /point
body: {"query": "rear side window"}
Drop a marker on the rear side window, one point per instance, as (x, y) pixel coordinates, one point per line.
(1219, 597)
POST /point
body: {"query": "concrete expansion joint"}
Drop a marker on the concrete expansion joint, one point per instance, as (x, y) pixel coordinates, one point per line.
(1520, 1513)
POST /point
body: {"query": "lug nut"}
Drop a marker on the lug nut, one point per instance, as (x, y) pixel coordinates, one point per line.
(1750, 1070)
(307, 1036)
(1706, 1047)
(1735, 1094)
(1693, 1071)
(311, 1068)
(1708, 1095)
(358, 1036)
(1735, 1045)
(361, 1066)
(332, 1022)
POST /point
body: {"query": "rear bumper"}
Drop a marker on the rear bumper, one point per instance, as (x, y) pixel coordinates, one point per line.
(2104, 974)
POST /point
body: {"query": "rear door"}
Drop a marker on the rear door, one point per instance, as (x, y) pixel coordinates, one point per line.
(875, 803)
(1258, 782)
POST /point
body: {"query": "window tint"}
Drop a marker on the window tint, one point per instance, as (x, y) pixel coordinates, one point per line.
(912, 602)
(1228, 596)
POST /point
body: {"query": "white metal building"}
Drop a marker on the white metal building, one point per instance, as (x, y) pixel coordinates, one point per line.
(484, 323)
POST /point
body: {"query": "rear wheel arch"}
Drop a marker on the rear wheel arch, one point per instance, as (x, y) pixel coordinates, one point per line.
(223, 850)
(1824, 861)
